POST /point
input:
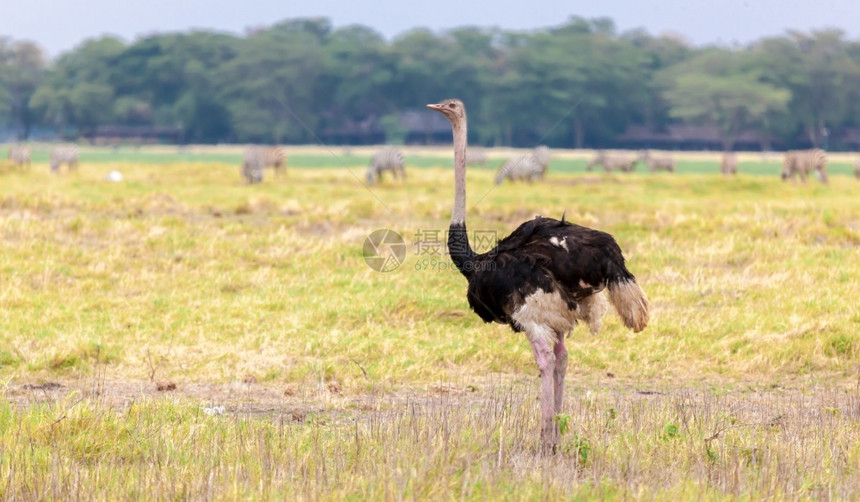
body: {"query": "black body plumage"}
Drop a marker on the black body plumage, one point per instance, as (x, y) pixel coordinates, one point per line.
(543, 253)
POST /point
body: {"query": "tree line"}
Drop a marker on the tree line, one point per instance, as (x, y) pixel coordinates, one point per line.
(580, 84)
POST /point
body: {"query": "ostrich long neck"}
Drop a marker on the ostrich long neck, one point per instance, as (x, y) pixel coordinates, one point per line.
(458, 240)
(460, 139)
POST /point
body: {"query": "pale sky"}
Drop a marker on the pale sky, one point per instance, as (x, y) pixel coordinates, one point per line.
(59, 25)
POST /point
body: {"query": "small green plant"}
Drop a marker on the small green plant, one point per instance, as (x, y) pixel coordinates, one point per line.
(833, 412)
(713, 457)
(670, 431)
(7, 358)
(611, 414)
(840, 345)
(581, 446)
(562, 421)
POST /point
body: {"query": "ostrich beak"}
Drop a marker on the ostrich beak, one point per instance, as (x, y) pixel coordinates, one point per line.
(436, 107)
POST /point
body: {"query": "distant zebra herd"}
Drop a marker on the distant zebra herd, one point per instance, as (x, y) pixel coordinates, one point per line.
(257, 158)
(529, 167)
(611, 162)
(627, 163)
(797, 163)
(664, 163)
(19, 156)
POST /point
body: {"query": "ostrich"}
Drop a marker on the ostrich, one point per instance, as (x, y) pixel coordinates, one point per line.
(541, 279)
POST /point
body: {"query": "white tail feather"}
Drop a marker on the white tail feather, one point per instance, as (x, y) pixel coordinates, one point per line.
(630, 303)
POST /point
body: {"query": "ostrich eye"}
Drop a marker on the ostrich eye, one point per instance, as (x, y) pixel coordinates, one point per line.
(452, 105)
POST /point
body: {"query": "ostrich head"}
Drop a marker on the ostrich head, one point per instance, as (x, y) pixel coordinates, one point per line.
(452, 109)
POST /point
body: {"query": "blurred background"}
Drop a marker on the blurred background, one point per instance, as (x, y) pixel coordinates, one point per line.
(624, 74)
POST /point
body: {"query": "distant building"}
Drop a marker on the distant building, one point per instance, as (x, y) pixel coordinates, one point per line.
(851, 138)
(688, 137)
(419, 126)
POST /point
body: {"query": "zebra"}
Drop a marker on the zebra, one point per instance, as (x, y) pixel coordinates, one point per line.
(729, 163)
(19, 155)
(802, 162)
(541, 156)
(476, 157)
(598, 160)
(529, 167)
(611, 162)
(64, 154)
(276, 158)
(270, 156)
(387, 159)
(257, 158)
(522, 168)
(252, 171)
(253, 163)
(656, 163)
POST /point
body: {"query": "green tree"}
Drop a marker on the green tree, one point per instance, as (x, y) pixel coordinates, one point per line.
(578, 73)
(356, 81)
(77, 96)
(22, 67)
(52, 105)
(270, 85)
(821, 73)
(658, 54)
(171, 80)
(577, 84)
(714, 88)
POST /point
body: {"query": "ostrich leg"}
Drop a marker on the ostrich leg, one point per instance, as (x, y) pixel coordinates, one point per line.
(560, 370)
(545, 357)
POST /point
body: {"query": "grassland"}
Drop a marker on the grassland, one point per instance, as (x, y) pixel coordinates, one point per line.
(339, 381)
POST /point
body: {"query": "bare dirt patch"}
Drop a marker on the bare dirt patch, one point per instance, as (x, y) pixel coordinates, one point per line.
(638, 437)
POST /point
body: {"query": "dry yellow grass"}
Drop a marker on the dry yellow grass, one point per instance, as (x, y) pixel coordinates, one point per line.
(181, 273)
